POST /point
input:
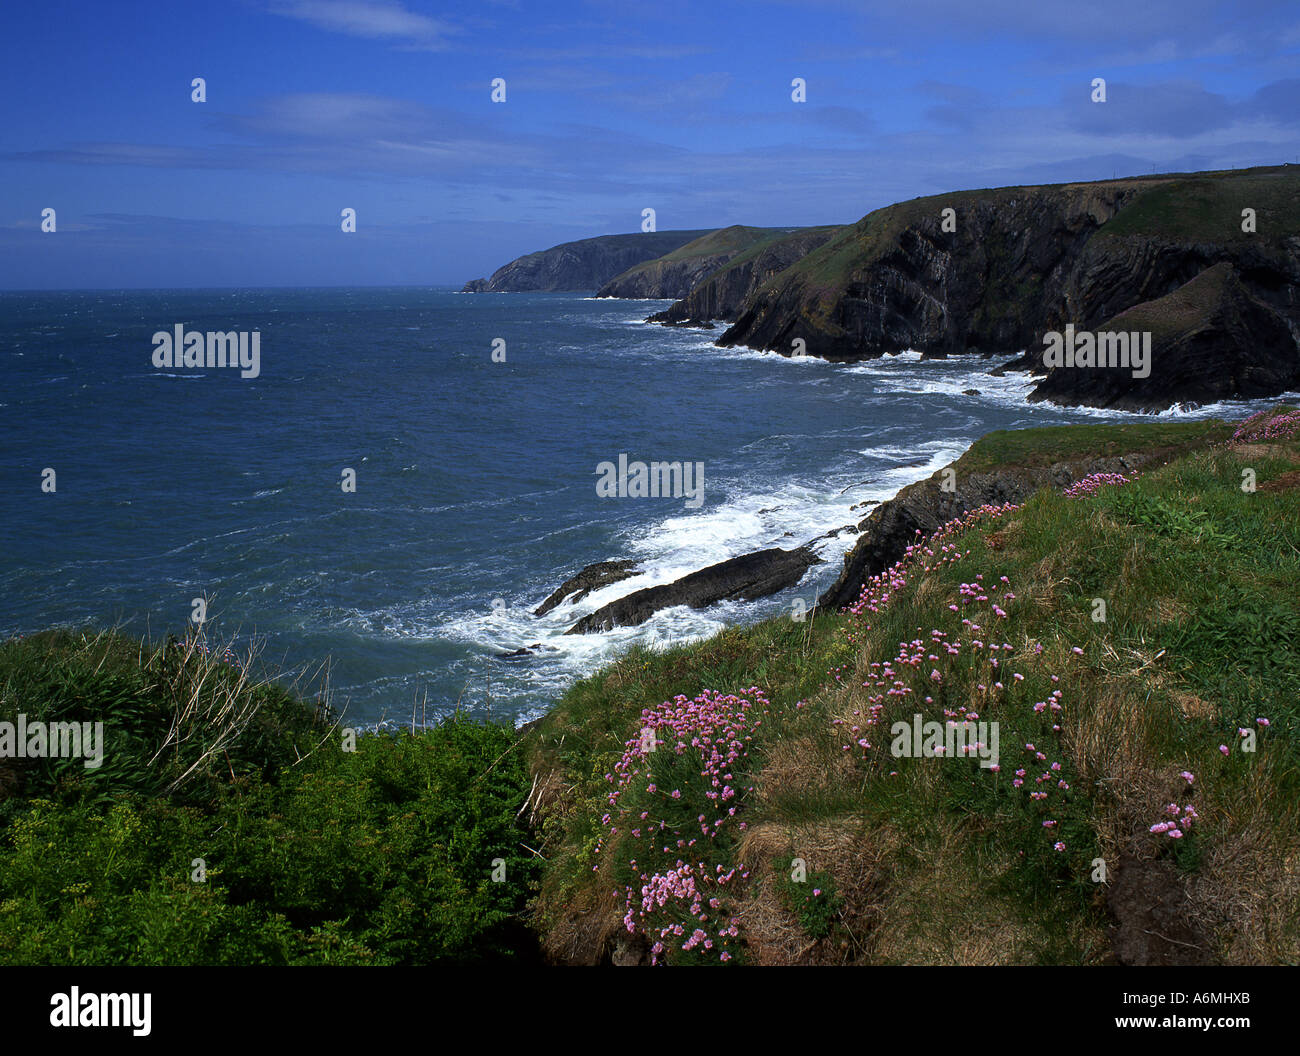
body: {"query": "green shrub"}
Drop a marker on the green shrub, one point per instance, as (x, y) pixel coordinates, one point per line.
(815, 902)
(229, 826)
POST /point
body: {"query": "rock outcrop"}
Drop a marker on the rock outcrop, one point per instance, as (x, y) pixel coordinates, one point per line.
(1211, 339)
(593, 577)
(892, 526)
(743, 578)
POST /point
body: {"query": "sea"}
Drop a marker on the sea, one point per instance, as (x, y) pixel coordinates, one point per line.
(380, 509)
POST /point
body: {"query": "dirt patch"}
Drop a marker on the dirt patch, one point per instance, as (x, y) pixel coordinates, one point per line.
(1193, 706)
(1150, 909)
(1249, 451)
(1285, 482)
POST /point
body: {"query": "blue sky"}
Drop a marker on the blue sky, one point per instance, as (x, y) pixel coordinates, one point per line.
(384, 106)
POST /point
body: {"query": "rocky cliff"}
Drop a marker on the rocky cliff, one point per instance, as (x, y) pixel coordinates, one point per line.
(582, 266)
(1212, 339)
(991, 271)
(675, 274)
(720, 294)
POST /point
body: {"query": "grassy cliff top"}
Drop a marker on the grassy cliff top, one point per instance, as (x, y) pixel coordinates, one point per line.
(1207, 207)
(1062, 443)
(1138, 645)
(732, 241)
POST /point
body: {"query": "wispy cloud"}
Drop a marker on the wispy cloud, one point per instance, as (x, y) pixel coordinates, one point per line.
(370, 19)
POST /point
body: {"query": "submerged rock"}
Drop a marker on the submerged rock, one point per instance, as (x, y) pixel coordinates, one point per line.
(527, 650)
(593, 577)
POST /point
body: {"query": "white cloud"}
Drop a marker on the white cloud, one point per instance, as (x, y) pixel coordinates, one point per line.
(372, 19)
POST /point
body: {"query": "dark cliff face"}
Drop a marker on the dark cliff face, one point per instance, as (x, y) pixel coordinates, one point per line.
(582, 266)
(1027, 260)
(897, 280)
(1212, 339)
(721, 294)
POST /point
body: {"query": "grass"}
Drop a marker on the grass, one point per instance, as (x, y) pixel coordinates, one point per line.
(1207, 208)
(726, 240)
(1043, 447)
(1200, 640)
(735, 240)
(748, 254)
(1190, 307)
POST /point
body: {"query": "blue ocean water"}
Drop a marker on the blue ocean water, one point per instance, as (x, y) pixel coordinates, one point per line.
(475, 480)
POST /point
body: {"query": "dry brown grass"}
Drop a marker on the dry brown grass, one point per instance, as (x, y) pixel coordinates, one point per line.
(547, 793)
(1109, 745)
(587, 926)
(859, 857)
(909, 897)
(798, 766)
(1170, 610)
(1249, 452)
(944, 910)
(1247, 889)
(1135, 560)
(1045, 583)
(1246, 893)
(1285, 482)
(927, 590)
(1192, 706)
